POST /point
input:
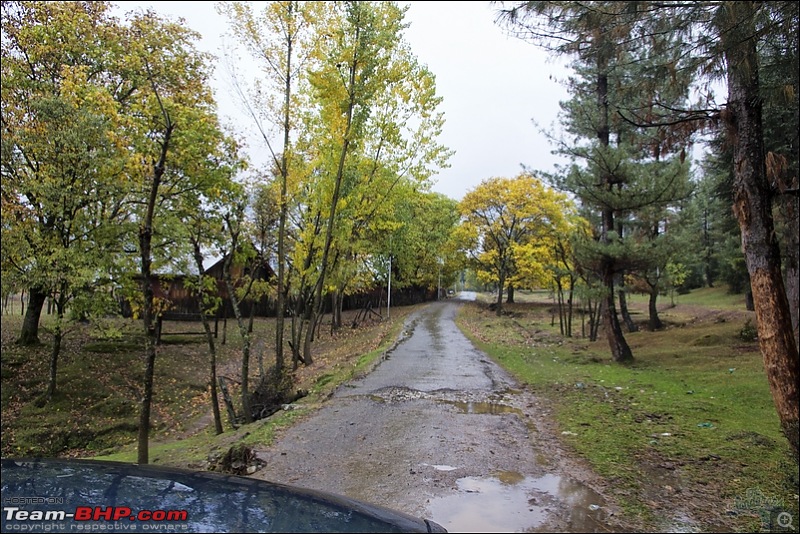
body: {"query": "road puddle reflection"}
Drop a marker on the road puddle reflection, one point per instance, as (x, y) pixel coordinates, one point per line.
(512, 502)
(483, 407)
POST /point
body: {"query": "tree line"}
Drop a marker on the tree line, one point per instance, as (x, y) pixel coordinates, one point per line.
(641, 95)
(116, 167)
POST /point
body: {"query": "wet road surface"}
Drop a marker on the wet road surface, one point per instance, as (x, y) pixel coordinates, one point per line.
(439, 431)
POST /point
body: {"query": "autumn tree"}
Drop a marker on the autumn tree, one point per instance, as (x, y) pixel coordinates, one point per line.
(279, 40)
(508, 225)
(173, 133)
(370, 122)
(562, 270)
(62, 160)
(203, 216)
(64, 188)
(423, 245)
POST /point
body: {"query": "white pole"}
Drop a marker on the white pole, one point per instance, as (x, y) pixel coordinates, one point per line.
(389, 292)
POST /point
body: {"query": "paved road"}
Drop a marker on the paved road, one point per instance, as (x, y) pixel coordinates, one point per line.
(439, 431)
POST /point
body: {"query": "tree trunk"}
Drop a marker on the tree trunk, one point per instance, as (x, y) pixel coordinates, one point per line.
(58, 336)
(212, 374)
(753, 209)
(297, 336)
(30, 324)
(148, 308)
(499, 303)
(620, 351)
(560, 307)
(789, 211)
(654, 322)
(510, 294)
(212, 348)
(595, 319)
(280, 312)
(623, 308)
(570, 307)
(54, 354)
(793, 295)
(336, 315)
(308, 340)
(149, 322)
(243, 330)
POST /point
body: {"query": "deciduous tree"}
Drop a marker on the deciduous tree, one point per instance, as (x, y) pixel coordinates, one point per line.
(508, 227)
(174, 133)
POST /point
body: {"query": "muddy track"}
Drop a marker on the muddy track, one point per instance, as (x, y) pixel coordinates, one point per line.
(440, 431)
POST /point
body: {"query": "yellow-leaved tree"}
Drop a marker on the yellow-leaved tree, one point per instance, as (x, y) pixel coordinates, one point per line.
(509, 229)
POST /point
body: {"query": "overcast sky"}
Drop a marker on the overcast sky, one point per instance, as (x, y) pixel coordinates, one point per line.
(493, 87)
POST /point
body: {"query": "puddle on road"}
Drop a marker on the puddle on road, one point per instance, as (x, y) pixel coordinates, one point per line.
(511, 502)
(483, 407)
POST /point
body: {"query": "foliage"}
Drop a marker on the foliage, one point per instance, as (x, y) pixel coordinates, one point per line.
(691, 46)
(748, 332)
(368, 126)
(63, 157)
(509, 230)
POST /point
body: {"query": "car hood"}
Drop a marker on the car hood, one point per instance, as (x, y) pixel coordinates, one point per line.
(94, 495)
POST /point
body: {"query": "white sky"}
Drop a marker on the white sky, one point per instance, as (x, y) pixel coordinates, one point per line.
(494, 87)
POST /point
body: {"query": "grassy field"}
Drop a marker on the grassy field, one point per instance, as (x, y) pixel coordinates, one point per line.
(690, 424)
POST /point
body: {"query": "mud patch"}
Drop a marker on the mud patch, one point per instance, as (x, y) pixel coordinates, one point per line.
(238, 460)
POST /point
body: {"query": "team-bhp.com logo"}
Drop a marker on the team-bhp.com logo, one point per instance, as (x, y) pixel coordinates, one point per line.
(93, 518)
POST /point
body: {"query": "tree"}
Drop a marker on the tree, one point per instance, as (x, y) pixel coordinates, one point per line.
(204, 216)
(714, 40)
(754, 190)
(780, 84)
(279, 41)
(508, 226)
(62, 184)
(206, 289)
(63, 189)
(238, 252)
(369, 123)
(423, 246)
(622, 169)
(563, 270)
(173, 132)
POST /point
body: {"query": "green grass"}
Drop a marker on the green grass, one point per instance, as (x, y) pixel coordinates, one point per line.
(695, 399)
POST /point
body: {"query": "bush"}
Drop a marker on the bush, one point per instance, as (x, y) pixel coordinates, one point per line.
(748, 332)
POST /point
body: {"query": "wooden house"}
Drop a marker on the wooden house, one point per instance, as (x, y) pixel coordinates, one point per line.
(183, 303)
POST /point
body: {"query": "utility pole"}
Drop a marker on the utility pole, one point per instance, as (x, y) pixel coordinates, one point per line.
(389, 291)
